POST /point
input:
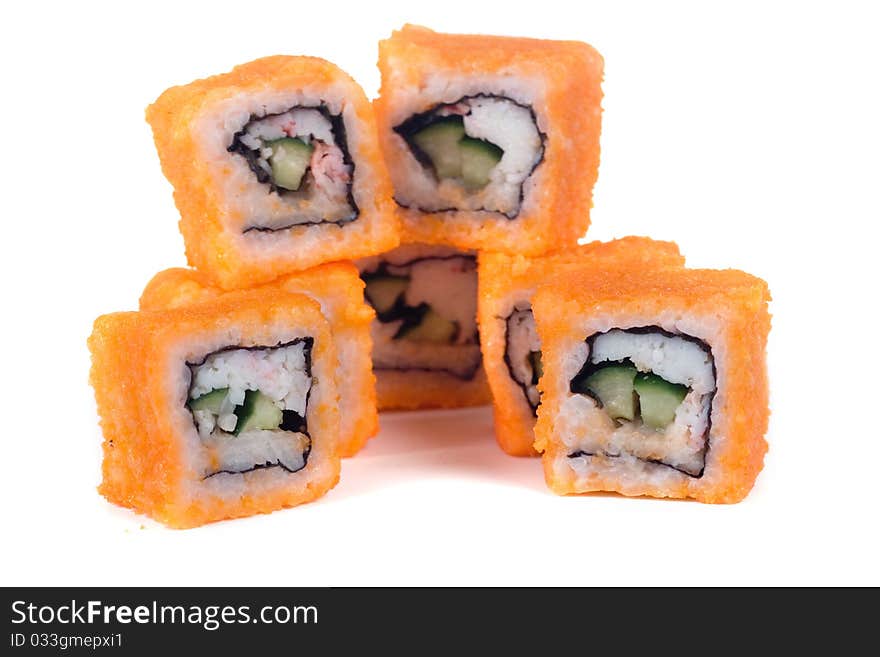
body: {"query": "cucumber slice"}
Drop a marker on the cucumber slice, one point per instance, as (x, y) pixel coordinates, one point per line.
(383, 291)
(537, 366)
(289, 161)
(257, 412)
(658, 399)
(613, 387)
(210, 401)
(440, 142)
(478, 158)
(433, 328)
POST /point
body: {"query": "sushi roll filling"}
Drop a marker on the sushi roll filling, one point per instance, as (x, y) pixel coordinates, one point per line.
(478, 152)
(249, 406)
(522, 353)
(655, 391)
(302, 156)
(426, 314)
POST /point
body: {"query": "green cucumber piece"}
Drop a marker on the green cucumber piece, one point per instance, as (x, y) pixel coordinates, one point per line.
(440, 142)
(383, 291)
(289, 161)
(478, 158)
(210, 401)
(257, 412)
(658, 399)
(613, 387)
(537, 366)
(433, 328)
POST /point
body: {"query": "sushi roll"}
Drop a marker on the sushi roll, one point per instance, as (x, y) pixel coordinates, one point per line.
(218, 410)
(339, 290)
(276, 168)
(426, 351)
(654, 382)
(509, 339)
(491, 142)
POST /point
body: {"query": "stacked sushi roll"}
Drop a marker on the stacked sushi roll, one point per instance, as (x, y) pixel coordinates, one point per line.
(417, 252)
(265, 379)
(276, 168)
(481, 136)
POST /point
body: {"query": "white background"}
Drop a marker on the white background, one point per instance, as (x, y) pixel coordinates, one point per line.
(748, 134)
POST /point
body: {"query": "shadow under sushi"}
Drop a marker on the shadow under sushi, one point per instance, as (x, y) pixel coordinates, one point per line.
(435, 444)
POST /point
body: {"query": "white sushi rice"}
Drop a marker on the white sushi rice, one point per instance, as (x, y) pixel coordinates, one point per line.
(676, 359)
(255, 448)
(512, 128)
(585, 427)
(280, 374)
(501, 121)
(446, 280)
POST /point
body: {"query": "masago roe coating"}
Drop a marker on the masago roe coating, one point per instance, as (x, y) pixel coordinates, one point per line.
(339, 290)
(276, 168)
(162, 379)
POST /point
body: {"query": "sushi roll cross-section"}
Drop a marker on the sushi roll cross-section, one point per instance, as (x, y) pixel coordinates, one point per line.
(491, 142)
(510, 343)
(276, 168)
(301, 155)
(478, 151)
(426, 350)
(215, 411)
(654, 383)
(249, 405)
(340, 291)
(656, 387)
